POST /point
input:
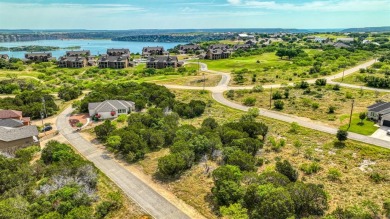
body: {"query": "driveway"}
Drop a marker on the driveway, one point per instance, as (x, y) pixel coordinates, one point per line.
(152, 202)
(382, 134)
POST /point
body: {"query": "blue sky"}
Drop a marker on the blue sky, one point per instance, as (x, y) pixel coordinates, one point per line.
(192, 14)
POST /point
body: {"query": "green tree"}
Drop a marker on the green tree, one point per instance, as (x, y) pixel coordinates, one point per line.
(342, 135)
(287, 169)
(227, 192)
(279, 104)
(362, 117)
(114, 142)
(234, 211)
(102, 131)
(309, 199)
(272, 203)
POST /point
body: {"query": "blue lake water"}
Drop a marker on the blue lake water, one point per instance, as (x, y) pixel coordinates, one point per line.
(95, 46)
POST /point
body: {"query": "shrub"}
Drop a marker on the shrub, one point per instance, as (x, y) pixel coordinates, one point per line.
(122, 118)
(310, 168)
(258, 89)
(315, 105)
(249, 101)
(279, 104)
(336, 87)
(321, 82)
(230, 94)
(377, 177)
(331, 109)
(286, 169)
(277, 95)
(294, 127)
(342, 135)
(334, 174)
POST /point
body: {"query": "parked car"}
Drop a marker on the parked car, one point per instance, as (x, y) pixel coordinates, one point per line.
(47, 128)
(388, 132)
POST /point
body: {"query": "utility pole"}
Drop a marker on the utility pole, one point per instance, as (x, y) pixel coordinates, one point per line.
(44, 106)
(270, 99)
(43, 126)
(350, 117)
(204, 81)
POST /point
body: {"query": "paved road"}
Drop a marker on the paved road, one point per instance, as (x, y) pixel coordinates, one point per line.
(217, 93)
(152, 202)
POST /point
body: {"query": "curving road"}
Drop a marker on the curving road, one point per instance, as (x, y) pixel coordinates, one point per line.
(152, 202)
(217, 94)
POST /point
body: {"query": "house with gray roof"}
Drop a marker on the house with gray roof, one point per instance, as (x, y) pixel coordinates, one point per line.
(11, 123)
(12, 139)
(153, 51)
(190, 48)
(159, 62)
(72, 62)
(39, 56)
(379, 112)
(110, 109)
(84, 53)
(4, 56)
(115, 58)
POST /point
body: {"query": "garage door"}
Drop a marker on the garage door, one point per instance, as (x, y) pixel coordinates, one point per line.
(386, 123)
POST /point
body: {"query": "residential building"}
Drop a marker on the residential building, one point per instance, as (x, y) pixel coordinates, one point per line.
(321, 40)
(84, 53)
(118, 52)
(106, 61)
(110, 109)
(12, 139)
(72, 62)
(242, 47)
(4, 56)
(191, 48)
(215, 54)
(115, 58)
(341, 45)
(378, 110)
(39, 56)
(152, 51)
(11, 123)
(345, 40)
(160, 62)
(14, 114)
(219, 46)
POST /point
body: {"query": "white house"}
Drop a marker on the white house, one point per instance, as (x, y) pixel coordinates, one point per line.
(378, 110)
(110, 109)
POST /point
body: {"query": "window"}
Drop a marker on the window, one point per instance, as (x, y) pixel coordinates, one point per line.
(121, 110)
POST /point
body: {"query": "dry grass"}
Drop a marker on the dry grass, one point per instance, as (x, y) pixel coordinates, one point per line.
(354, 186)
(210, 80)
(302, 104)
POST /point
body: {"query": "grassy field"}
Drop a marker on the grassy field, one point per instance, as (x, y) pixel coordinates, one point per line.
(315, 105)
(365, 128)
(270, 69)
(197, 81)
(353, 187)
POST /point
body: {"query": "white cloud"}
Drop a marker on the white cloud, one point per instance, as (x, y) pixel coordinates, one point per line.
(326, 5)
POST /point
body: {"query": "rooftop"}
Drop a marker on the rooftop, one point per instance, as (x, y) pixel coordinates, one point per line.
(13, 134)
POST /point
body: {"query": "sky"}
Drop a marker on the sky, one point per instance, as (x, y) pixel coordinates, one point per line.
(192, 14)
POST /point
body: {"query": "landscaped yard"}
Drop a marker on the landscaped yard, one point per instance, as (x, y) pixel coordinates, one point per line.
(315, 104)
(353, 187)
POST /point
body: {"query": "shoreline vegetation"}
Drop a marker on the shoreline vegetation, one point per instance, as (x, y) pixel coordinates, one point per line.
(36, 48)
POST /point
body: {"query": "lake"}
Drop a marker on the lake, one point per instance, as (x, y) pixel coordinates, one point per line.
(95, 46)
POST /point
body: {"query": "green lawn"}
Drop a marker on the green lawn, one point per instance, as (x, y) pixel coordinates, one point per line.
(365, 128)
